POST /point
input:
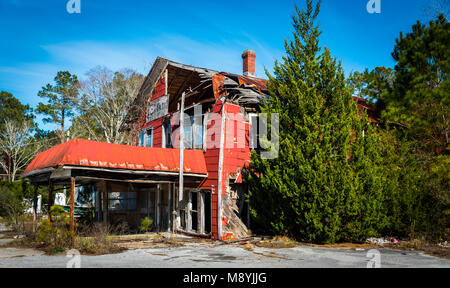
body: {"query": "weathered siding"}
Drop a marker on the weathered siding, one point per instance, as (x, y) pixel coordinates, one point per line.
(158, 92)
(234, 158)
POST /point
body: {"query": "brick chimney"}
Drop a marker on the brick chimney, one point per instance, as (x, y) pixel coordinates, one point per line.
(248, 58)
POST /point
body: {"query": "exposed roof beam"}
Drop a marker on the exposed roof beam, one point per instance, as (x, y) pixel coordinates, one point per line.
(182, 87)
(175, 77)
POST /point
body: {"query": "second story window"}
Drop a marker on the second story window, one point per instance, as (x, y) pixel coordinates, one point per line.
(193, 132)
(146, 137)
(166, 134)
(254, 131)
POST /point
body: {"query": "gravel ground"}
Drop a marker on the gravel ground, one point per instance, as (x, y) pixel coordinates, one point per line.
(210, 256)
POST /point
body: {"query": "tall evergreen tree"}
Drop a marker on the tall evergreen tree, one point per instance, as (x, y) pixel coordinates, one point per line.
(416, 93)
(421, 92)
(325, 185)
(420, 98)
(60, 100)
(373, 85)
(11, 109)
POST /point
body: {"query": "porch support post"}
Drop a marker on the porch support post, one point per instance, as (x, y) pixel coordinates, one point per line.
(72, 207)
(50, 199)
(169, 201)
(220, 172)
(181, 189)
(105, 203)
(174, 212)
(199, 212)
(158, 207)
(35, 202)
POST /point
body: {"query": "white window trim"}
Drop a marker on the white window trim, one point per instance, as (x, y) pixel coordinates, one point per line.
(252, 116)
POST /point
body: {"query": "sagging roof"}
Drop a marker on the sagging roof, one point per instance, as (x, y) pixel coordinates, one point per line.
(243, 90)
(240, 89)
(85, 153)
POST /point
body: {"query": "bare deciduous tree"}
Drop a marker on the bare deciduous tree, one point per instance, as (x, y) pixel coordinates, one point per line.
(18, 146)
(435, 7)
(104, 102)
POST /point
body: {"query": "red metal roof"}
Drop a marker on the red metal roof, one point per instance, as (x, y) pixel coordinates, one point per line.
(84, 153)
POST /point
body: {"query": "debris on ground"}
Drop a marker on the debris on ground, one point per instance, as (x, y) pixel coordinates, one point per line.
(154, 240)
(378, 241)
(249, 243)
(382, 240)
(444, 244)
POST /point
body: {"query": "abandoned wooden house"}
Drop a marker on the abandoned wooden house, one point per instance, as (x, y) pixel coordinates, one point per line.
(129, 183)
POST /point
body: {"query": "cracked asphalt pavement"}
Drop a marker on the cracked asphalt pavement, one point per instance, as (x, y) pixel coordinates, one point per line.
(225, 256)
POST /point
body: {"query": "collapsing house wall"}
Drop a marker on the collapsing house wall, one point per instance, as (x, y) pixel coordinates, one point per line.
(235, 211)
(232, 97)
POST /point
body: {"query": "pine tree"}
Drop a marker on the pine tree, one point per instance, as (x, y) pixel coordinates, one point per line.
(420, 98)
(325, 185)
(421, 91)
(60, 99)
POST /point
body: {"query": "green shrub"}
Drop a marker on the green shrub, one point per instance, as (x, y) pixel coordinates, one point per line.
(87, 245)
(12, 204)
(146, 224)
(56, 233)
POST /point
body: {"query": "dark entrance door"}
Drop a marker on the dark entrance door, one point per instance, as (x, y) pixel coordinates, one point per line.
(206, 203)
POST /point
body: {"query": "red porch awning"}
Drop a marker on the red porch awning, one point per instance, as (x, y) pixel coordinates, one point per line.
(84, 153)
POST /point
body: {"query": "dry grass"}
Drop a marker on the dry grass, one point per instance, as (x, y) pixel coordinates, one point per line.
(344, 246)
(96, 240)
(279, 242)
(99, 241)
(421, 245)
(149, 241)
(409, 245)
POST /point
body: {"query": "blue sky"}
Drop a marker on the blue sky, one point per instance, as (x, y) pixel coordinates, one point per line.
(40, 38)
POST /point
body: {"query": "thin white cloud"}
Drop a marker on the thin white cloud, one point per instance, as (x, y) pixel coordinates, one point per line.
(24, 80)
(224, 56)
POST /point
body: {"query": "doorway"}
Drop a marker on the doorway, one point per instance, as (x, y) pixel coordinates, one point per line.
(206, 212)
(148, 204)
(194, 211)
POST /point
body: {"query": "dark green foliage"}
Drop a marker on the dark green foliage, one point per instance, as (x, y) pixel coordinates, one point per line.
(421, 92)
(325, 186)
(12, 109)
(414, 202)
(12, 204)
(373, 85)
(420, 98)
(60, 100)
(12, 195)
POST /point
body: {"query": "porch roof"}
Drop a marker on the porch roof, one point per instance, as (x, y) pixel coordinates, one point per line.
(84, 153)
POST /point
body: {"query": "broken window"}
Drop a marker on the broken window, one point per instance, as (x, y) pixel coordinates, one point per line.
(146, 137)
(193, 129)
(254, 133)
(166, 141)
(122, 201)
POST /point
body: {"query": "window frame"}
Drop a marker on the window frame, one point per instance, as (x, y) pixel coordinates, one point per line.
(143, 136)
